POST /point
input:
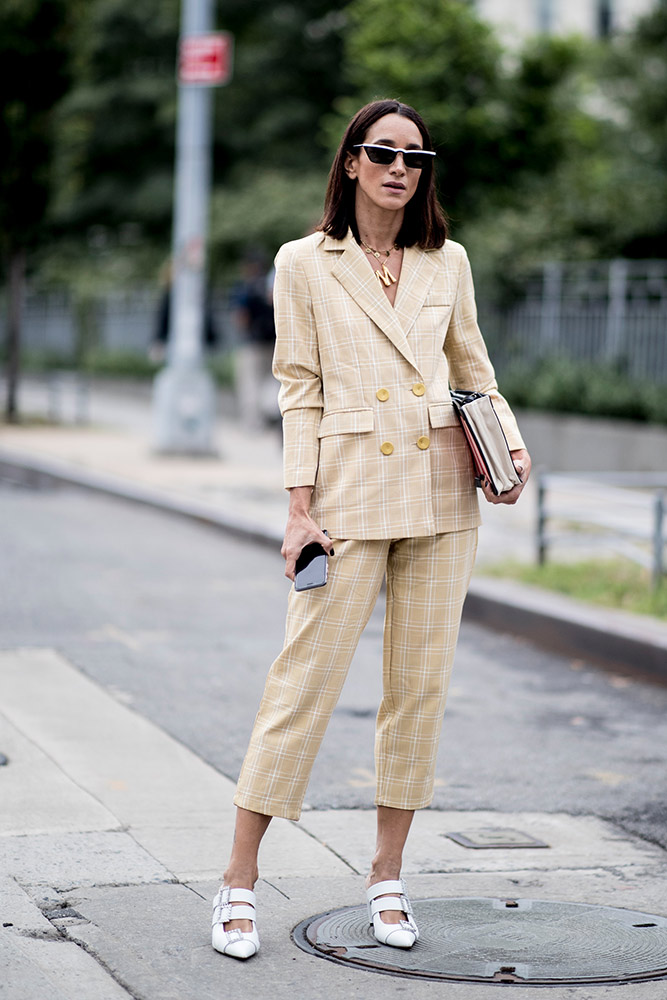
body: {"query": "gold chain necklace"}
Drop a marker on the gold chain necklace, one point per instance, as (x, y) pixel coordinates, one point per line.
(384, 276)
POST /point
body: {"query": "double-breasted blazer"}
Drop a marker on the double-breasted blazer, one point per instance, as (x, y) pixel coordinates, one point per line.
(367, 416)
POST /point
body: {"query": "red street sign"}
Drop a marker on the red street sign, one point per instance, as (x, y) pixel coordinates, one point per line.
(206, 59)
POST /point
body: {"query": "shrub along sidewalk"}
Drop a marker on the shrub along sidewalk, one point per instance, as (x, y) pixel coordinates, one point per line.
(564, 386)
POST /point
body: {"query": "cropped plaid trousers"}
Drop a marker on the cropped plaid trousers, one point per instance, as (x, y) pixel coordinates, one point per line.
(427, 580)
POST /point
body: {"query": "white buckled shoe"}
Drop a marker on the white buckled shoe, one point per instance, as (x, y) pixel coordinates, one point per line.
(238, 944)
(402, 935)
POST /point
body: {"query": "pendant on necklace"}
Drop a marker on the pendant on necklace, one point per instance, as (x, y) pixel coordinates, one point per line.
(385, 277)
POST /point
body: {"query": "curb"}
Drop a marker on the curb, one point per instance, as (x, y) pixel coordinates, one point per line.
(615, 639)
(29, 470)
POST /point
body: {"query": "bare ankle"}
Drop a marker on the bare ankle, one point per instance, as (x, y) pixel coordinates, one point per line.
(239, 878)
(383, 870)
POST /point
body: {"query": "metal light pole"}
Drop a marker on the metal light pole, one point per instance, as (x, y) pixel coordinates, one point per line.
(184, 393)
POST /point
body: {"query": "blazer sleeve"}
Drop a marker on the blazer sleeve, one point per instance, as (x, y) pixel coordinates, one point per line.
(296, 364)
(469, 364)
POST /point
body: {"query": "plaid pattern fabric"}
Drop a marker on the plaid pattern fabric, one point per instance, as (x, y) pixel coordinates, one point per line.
(427, 580)
(338, 342)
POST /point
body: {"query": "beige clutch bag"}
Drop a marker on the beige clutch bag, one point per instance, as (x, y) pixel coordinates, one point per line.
(486, 440)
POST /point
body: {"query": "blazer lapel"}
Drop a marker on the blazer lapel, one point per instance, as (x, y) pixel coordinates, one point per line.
(352, 271)
(417, 275)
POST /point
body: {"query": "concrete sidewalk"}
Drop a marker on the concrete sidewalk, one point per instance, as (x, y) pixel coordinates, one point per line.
(240, 490)
(112, 835)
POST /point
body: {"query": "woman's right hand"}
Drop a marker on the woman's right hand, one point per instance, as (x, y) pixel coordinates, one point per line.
(301, 530)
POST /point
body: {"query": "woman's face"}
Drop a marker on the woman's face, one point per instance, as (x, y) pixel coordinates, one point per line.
(390, 187)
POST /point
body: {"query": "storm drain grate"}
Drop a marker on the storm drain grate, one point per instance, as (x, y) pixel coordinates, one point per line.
(494, 837)
(520, 941)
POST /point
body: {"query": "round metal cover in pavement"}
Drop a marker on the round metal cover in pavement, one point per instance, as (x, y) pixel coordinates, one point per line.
(521, 941)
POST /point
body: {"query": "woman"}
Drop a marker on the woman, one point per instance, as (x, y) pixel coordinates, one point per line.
(375, 318)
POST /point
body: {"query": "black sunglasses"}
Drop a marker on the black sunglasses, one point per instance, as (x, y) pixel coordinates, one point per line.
(414, 158)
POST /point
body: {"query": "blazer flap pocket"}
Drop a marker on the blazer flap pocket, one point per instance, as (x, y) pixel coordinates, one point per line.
(346, 422)
(442, 415)
(438, 299)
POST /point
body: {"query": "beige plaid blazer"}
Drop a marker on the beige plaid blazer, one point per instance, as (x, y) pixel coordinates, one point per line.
(367, 416)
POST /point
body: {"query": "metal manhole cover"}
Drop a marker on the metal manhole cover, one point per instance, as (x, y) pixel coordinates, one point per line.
(522, 941)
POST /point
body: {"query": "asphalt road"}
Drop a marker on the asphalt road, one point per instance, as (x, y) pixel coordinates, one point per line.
(181, 622)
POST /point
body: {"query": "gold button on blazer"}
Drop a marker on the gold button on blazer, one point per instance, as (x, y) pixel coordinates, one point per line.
(337, 338)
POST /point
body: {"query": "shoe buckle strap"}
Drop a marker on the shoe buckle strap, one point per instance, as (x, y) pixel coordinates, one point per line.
(223, 897)
(386, 903)
(241, 913)
(387, 887)
(227, 894)
(242, 896)
(222, 912)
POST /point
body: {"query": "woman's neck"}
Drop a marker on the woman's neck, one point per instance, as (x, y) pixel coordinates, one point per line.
(377, 227)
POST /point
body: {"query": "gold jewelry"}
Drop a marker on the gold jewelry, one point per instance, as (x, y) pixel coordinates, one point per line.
(384, 276)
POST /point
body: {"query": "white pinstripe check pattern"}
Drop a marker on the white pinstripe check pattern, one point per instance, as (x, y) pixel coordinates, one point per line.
(409, 510)
(338, 342)
(427, 580)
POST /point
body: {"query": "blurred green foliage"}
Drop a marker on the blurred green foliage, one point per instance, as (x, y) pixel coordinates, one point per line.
(556, 149)
(120, 364)
(94, 362)
(564, 386)
(495, 122)
(35, 47)
(240, 220)
(114, 164)
(114, 157)
(606, 196)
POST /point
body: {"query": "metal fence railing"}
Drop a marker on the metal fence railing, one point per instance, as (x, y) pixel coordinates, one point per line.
(605, 312)
(53, 323)
(623, 512)
(612, 312)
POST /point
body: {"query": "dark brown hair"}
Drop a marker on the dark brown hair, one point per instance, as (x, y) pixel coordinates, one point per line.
(424, 222)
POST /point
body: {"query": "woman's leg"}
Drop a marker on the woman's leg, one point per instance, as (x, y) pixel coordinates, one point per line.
(304, 683)
(393, 826)
(302, 689)
(242, 871)
(427, 581)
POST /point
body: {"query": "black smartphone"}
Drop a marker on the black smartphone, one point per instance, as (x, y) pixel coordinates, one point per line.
(311, 567)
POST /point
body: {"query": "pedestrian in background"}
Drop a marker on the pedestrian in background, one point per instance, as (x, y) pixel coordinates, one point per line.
(375, 320)
(157, 351)
(252, 300)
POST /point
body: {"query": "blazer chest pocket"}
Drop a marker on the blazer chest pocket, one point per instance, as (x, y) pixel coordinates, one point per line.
(439, 299)
(442, 415)
(435, 313)
(346, 422)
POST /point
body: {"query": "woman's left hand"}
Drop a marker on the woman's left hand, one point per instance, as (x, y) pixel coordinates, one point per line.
(522, 464)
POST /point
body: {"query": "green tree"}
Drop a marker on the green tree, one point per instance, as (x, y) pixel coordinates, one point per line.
(117, 126)
(34, 72)
(636, 77)
(286, 76)
(606, 194)
(442, 59)
(493, 126)
(272, 157)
